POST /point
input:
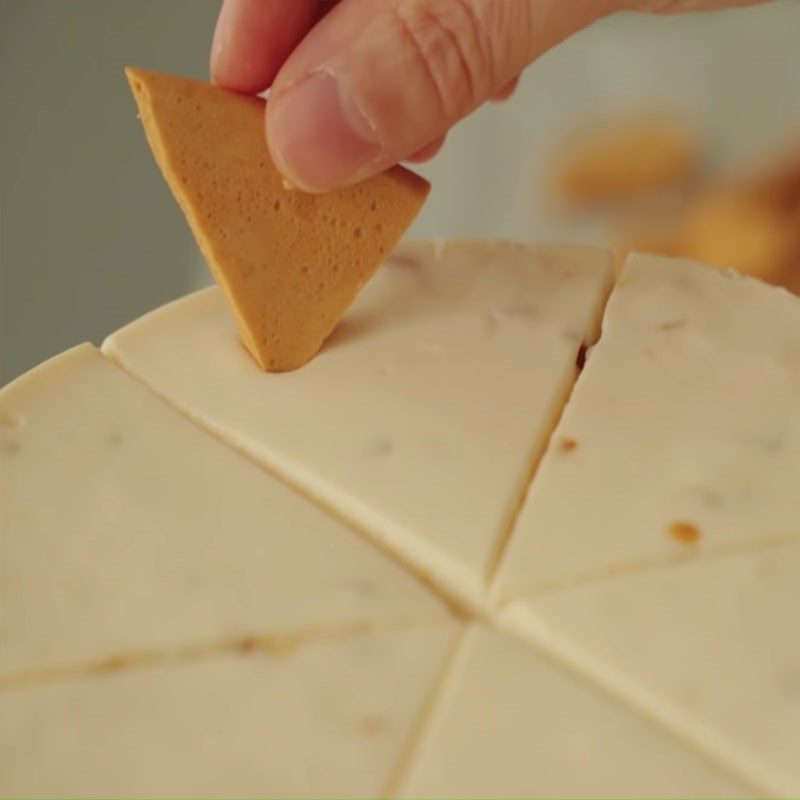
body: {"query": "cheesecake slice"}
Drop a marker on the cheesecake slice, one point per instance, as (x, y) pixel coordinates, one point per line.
(332, 718)
(511, 723)
(681, 439)
(422, 419)
(127, 531)
(704, 645)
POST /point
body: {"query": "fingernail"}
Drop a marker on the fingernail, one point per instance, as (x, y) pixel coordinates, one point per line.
(318, 136)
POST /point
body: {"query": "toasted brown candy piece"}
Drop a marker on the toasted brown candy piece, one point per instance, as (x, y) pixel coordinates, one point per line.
(290, 263)
(614, 159)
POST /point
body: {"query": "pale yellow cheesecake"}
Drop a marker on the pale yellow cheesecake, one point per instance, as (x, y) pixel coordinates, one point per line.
(516, 531)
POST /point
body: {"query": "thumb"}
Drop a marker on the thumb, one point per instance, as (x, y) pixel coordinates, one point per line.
(375, 81)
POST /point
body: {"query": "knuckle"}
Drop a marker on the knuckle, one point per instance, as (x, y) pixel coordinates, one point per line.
(450, 44)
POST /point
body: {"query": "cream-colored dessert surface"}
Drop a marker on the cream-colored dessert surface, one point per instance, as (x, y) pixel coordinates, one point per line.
(331, 718)
(125, 527)
(712, 640)
(421, 417)
(509, 723)
(418, 423)
(682, 434)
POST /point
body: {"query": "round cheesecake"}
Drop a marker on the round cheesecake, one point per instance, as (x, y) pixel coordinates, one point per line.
(517, 530)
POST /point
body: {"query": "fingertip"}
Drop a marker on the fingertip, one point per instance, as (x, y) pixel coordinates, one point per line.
(428, 152)
(506, 91)
(252, 39)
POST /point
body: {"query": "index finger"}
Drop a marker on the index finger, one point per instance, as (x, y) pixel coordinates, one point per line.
(254, 37)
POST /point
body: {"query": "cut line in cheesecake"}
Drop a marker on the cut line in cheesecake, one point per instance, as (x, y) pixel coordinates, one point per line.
(127, 528)
(419, 422)
(686, 418)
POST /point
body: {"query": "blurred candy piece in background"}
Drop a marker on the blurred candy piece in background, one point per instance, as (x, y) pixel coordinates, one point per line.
(648, 177)
(612, 159)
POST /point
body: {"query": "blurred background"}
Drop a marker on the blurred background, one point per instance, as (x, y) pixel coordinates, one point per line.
(637, 130)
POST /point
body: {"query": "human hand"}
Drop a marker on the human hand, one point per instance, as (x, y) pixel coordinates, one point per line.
(359, 85)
